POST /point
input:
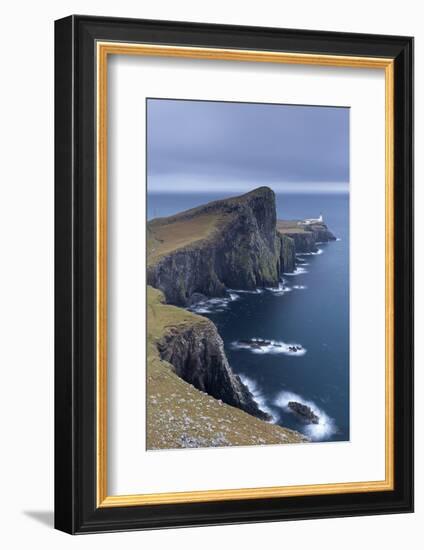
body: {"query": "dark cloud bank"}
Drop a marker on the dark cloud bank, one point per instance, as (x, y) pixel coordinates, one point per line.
(200, 146)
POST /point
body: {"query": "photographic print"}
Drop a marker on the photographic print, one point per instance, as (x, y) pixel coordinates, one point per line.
(247, 274)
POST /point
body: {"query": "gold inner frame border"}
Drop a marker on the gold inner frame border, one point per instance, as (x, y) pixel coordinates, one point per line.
(103, 50)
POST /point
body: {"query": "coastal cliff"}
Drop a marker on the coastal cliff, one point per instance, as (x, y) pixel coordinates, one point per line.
(231, 243)
(193, 397)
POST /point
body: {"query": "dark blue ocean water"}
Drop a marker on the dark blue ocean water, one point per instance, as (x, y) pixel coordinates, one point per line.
(315, 315)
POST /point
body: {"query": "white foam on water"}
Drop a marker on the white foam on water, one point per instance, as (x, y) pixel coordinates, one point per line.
(218, 301)
(274, 347)
(338, 239)
(299, 287)
(280, 289)
(218, 305)
(214, 305)
(199, 309)
(257, 396)
(298, 271)
(316, 432)
(237, 291)
(317, 253)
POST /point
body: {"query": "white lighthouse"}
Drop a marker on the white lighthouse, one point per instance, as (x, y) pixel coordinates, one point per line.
(311, 221)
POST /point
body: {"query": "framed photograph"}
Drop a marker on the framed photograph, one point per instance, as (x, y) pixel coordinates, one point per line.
(234, 271)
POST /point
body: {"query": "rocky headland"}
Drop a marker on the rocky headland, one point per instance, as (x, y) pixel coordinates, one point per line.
(202, 253)
(231, 243)
(306, 237)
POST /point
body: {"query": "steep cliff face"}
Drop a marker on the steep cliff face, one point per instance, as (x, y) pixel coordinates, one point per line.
(322, 233)
(304, 242)
(239, 249)
(305, 237)
(287, 253)
(197, 355)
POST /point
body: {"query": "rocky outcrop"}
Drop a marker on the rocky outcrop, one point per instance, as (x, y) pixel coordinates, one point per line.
(306, 414)
(196, 353)
(243, 251)
(305, 237)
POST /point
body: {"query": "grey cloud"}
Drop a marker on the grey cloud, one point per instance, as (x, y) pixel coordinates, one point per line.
(198, 140)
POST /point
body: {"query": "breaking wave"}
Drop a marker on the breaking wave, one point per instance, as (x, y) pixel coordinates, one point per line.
(298, 271)
(281, 289)
(299, 287)
(317, 253)
(214, 305)
(261, 346)
(257, 396)
(316, 432)
(255, 291)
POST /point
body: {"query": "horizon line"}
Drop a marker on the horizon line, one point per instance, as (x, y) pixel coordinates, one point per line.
(241, 191)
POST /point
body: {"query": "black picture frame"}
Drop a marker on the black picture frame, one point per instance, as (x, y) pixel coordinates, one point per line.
(76, 510)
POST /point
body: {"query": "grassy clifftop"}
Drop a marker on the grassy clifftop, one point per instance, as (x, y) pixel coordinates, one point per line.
(165, 235)
(193, 226)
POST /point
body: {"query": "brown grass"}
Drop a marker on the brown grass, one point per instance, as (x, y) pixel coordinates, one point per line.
(164, 237)
(290, 226)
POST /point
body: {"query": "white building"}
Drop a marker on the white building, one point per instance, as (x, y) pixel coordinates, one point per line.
(311, 221)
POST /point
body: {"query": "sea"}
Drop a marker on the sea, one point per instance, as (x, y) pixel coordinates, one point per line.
(309, 310)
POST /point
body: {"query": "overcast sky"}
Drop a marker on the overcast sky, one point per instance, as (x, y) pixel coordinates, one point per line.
(215, 146)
